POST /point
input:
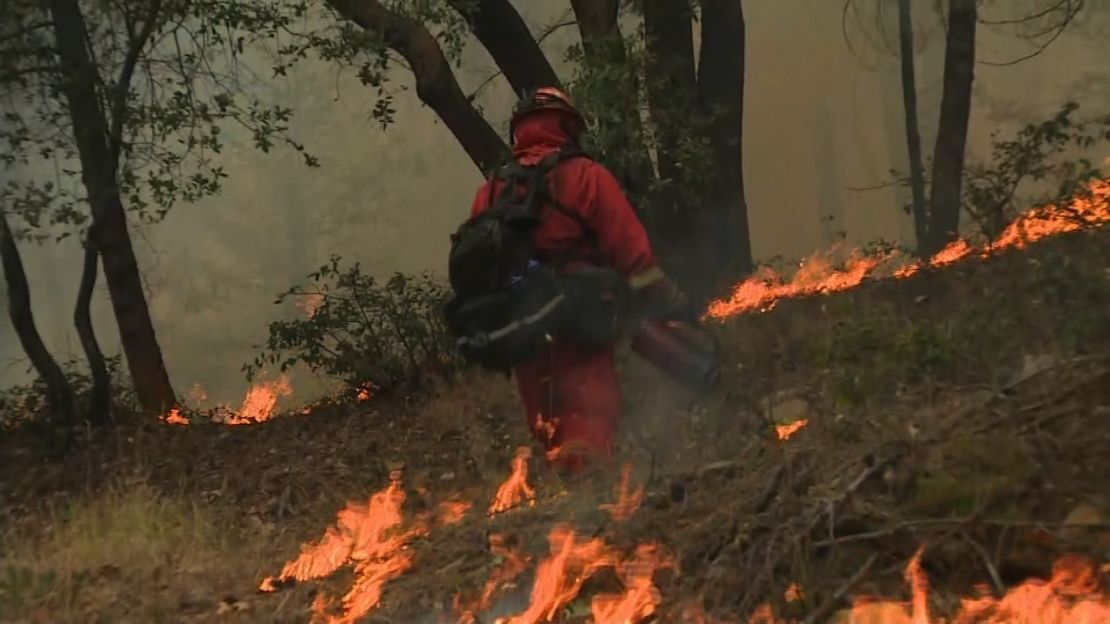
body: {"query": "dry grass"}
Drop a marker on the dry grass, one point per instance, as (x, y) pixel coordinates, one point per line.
(129, 554)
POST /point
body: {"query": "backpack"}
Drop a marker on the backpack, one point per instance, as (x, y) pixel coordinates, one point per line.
(506, 302)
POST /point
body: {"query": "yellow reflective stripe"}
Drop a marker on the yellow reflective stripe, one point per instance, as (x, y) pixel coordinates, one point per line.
(646, 278)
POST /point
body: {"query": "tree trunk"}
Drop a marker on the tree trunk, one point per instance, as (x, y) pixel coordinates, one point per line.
(597, 19)
(913, 133)
(98, 172)
(955, 110)
(670, 78)
(435, 83)
(59, 394)
(503, 33)
(622, 137)
(721, 96)
(100, 395)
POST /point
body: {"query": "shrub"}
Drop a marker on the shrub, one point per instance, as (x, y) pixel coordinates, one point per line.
(23, 404)
(390, 335)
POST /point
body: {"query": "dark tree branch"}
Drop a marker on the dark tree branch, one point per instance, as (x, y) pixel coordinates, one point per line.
(118, 113)
(506, 37)
(1068, 4)
(16, 74)
(1068, 9)
(435, 83)
(550, 30)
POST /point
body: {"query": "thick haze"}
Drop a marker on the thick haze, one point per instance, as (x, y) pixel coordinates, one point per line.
(822, 116)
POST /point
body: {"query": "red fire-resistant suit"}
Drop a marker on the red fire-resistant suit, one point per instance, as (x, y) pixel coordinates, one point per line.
(570, 394)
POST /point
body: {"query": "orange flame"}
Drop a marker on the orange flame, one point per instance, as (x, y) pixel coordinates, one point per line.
(174, 417)
(451, 512)
(1073, 595)
(258, 405)
(363, 395)
(560, 577)
(817, 274)
(309, 303)
(641, 597)
(513, 563)
(196, 394)
(627, 502)
(515, 489)
(784, 432)
(367, 536)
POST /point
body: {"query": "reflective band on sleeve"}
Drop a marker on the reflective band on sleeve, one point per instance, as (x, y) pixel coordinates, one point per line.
(646, 278)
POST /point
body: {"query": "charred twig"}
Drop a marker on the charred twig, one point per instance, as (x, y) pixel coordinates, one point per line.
(822, 611)
(991, 569)
(816, 515)
(887, 532)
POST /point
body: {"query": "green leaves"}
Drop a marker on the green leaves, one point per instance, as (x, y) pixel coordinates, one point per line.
(1037, 157)
(390, 335)
(185, 97)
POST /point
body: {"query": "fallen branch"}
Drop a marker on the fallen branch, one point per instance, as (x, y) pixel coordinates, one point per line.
(991, 569)
(822, 612)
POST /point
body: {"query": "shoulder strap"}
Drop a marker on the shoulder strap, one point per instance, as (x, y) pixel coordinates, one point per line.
(548, 164)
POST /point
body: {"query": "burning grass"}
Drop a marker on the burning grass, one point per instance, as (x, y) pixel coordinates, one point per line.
(822, 273)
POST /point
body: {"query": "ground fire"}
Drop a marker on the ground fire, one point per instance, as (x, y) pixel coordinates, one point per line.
(627, 501)
(821, 274)
(785, 432)
(515, 490)
(513, 563)
(374, 538)
(259, 404)
(1072, 595)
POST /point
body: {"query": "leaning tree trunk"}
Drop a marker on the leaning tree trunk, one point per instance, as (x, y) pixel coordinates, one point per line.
(913, 133)
(98, 172)
(721, 95)
(955, 111)
(435, 83)
(503, 33)
(100, 395)
(59, 394)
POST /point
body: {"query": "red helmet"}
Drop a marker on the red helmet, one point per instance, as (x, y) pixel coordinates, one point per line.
(546, 98)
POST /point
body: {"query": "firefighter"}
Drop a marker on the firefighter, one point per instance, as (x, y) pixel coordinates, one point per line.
(570, 393)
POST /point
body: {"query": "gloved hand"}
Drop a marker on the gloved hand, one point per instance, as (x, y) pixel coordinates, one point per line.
(663, 299)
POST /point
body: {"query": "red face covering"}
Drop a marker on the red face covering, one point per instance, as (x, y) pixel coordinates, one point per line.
(540, 133)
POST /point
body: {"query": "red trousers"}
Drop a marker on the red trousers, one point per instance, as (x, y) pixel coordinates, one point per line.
(572, 402)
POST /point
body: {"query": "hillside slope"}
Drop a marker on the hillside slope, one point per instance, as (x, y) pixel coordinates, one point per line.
(961, 410)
